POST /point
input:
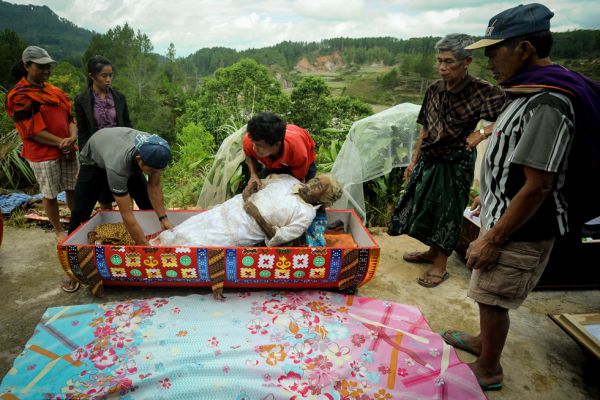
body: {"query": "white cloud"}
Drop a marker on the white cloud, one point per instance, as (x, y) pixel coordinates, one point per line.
(241, 24)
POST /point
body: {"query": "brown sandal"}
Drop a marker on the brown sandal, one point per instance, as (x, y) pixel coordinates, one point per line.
(426, 284)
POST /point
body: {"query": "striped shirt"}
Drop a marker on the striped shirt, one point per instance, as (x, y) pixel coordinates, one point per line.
(534, 131)
(449, 116)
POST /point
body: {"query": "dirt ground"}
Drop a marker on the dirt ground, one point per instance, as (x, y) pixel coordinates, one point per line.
(540, 361)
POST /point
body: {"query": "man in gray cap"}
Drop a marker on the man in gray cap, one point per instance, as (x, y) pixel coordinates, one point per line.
(524, 201)
(118, 158)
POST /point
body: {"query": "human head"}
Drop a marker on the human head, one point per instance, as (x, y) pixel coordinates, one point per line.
(456, 43)
(36, 65)
(322, 189)
(516, 38)
(266, 131)
(153, 151)
(452, 58)
(100, 71)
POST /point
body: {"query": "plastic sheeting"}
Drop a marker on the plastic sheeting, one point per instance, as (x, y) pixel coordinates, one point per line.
(227, 161)
(373, 147)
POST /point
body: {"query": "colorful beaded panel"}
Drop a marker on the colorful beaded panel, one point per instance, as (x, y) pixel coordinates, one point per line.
(243, 266)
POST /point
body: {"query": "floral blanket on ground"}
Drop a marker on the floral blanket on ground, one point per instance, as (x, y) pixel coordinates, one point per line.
(252, 345)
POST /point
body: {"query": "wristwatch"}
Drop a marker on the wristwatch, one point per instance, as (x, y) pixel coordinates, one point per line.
(482, 133)
(162, 217)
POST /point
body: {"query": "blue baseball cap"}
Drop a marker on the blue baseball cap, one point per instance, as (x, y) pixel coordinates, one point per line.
(517, 21)
(154, 150)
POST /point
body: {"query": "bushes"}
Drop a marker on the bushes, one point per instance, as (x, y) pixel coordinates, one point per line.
(193, 156)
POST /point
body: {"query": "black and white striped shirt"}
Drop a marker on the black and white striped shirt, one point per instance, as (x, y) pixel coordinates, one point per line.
(534, 131)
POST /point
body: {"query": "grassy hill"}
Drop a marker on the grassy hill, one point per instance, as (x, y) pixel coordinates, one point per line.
(39, 25)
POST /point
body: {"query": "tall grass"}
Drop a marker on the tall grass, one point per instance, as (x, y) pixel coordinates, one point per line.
(14, 171)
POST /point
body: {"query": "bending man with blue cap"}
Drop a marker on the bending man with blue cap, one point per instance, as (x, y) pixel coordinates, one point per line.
(541, 148)
(118, 158)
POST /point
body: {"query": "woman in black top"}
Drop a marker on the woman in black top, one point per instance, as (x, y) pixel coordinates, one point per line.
(100, 106)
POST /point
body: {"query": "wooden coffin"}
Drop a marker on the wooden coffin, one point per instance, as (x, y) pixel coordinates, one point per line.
(343, 269)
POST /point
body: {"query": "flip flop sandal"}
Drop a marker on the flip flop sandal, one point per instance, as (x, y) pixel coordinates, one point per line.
(426, 284)
(490, 386)
(452, 338)
(70, 287)
(416, 257)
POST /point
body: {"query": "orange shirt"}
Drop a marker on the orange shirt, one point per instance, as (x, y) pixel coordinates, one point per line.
(36, 109)
(297, 155)
(50, 118)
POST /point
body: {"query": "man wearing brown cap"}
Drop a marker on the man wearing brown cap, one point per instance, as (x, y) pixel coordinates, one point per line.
(546, 128)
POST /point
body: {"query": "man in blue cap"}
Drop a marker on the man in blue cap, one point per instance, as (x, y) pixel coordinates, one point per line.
(543, 139)
(118, 158)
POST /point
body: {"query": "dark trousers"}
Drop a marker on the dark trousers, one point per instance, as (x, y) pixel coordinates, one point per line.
(92, 182)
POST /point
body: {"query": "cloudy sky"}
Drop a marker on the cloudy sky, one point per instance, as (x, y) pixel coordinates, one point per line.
(242, 24)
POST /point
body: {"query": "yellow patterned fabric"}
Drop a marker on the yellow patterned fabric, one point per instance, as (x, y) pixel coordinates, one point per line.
(114, 234)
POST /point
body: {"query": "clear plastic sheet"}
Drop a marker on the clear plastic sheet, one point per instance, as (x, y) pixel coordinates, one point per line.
(373, 147)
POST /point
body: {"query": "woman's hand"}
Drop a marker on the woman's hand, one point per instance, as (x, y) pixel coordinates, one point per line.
(409, 170)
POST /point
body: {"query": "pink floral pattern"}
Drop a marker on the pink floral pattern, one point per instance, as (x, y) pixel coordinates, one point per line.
(256, 345)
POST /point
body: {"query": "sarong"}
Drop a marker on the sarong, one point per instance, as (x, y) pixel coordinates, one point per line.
(431, 207)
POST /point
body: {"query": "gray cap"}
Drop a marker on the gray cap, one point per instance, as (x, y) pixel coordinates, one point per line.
(37, 55)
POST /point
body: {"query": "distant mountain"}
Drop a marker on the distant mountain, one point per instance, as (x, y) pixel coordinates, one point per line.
(40, 26)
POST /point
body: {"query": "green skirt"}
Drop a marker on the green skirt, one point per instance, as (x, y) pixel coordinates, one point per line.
(431, 207)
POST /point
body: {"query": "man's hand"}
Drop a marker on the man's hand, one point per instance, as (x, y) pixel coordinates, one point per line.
(474, 139)
(254, 180)
(476, 206)
(482, 253)
(165, 224)
(250, 189)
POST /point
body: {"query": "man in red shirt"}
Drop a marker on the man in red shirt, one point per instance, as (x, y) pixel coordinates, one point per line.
(281, 148)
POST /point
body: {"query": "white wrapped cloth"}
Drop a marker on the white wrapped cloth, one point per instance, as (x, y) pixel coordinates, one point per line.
(228, 224)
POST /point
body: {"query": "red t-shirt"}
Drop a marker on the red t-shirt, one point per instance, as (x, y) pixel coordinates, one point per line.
(298, 152)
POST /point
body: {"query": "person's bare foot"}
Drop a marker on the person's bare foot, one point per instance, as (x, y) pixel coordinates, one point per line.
(60, 235)
(419, 257)
(70, 286)
(488, 379)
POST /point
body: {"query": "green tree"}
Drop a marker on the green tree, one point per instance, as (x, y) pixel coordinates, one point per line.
(346, 110)
(311, 108)
(68, 78)
(234, 94)
(193, 154)
(11, 48)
